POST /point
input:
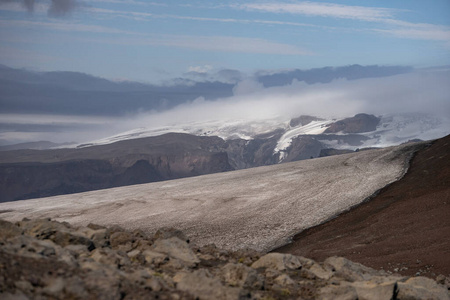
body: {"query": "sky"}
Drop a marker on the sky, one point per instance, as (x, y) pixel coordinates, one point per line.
(152, 41)
(213, 60)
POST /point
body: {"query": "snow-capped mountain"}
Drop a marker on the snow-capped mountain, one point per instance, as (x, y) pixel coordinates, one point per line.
(386, 130)
(184, 150)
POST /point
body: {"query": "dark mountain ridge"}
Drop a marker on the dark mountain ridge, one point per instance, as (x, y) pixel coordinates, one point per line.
(27, 173)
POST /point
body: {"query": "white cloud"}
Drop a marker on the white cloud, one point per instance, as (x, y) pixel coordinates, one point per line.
(383, 16)
(413, 92)
(229, 44)
(425, 92)
(319, 9)
(200, 69)
(211, 43)
(421, 31)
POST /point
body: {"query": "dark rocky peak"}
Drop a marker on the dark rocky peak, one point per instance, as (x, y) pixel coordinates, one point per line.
(358, 124)
(303, 120)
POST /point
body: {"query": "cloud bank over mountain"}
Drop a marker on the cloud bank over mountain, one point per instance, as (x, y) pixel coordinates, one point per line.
(67, 106)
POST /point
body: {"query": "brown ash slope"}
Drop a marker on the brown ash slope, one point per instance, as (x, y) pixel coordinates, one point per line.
(404, 229)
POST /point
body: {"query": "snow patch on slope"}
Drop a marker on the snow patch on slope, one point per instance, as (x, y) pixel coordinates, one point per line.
(399, 128)
(225, 129)
(314, 127)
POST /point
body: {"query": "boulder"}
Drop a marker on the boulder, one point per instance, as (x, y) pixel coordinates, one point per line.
(109, 257)
(317, 271)
(64, 238)
(242, 276)
(421, 288)
(278, 261)
(375, 289)
(9, 230)
(349, 270)
(337, 292)
(122, 240)
(284, 280)
(42, 228)
(154, 258)
(202, 285)
(176, 248)
(168, 232)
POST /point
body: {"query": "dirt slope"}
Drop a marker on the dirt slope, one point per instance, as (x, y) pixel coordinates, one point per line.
(405, 228)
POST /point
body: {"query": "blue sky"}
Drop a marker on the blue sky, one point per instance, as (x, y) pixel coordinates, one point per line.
(156, 40)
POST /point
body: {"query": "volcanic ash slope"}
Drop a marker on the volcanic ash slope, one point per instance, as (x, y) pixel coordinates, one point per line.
(259, 208)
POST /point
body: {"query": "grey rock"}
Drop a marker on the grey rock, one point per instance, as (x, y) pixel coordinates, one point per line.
(155, 258)
(349, 270)
(421, 288)
(54, 287)
(109, 257)
(122, 241)
(284, 280)
(375, 289)
(18, 295)
(203, 285)
(168, 232)
(31, 247)
(179, 249)
(278, 261)
(317, 271)
(242, 276)
(8, 230)
(337, 292)
(42, 228)
(63, 238)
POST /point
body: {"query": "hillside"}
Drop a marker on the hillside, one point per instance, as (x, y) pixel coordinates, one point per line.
(403, 229)
(148, 155)
(44, 259)
(270, 203)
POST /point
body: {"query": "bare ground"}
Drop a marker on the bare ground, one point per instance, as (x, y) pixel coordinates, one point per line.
(404, 229)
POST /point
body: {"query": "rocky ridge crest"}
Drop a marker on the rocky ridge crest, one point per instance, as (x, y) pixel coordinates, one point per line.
(45, 259)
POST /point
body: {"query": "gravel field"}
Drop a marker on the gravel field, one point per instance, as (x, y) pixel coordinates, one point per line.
(259, 208)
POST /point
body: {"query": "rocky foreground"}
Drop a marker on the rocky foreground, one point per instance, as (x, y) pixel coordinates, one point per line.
(44, 259)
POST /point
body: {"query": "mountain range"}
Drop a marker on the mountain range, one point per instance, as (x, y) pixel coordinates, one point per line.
(157, 154)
